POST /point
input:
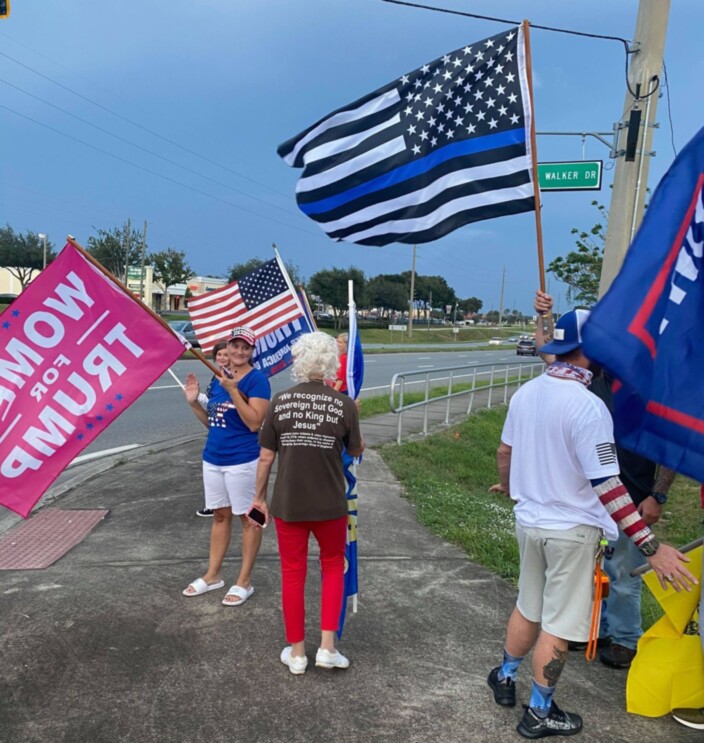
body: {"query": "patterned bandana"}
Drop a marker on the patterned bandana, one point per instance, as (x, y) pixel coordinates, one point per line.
(563, 370)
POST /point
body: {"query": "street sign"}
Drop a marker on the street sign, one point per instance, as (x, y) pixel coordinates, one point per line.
(398, 327)
(576, 176)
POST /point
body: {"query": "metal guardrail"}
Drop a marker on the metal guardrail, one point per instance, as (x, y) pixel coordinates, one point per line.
(483, 377)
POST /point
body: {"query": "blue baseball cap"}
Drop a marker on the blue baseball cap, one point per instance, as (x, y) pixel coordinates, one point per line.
(568, 333)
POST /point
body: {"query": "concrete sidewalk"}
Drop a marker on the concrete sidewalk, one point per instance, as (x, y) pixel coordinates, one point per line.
(102, 646)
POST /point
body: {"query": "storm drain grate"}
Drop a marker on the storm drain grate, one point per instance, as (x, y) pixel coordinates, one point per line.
(45, 537)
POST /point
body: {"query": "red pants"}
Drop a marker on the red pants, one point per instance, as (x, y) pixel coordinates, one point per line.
(293, 551)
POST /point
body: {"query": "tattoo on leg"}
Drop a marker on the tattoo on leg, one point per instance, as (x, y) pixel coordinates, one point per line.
(553, 668)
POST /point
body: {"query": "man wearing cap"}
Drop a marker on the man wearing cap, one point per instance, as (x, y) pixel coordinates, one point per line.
(557, 460)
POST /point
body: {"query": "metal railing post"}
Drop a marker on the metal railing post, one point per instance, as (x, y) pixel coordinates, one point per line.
(449, 399)
(425, 407)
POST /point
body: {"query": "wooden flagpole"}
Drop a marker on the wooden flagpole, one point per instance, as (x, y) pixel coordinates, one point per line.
(196, 352)
(534, 156)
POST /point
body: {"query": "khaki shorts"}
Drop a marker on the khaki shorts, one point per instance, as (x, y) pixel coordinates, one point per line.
(556, 584)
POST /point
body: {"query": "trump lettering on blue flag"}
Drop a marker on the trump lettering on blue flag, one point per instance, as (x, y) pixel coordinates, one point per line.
(647, 329)
(438, 148)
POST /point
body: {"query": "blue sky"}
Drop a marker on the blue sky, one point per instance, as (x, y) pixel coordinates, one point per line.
(231, 80)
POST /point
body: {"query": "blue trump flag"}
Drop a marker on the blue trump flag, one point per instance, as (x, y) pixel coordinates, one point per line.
(355, 377)
(647, 329)
(442, 146)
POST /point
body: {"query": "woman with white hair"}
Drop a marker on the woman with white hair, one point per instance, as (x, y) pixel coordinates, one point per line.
(308, 426)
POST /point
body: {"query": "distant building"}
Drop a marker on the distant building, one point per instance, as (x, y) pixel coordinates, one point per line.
(152, 291)
(10, 284)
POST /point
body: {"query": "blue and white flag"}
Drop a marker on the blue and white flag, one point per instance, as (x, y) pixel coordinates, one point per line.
(355, 357)
(648, 329)
(355, 379)
(443, 146)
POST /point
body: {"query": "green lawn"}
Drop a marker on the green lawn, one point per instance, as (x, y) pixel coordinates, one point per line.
(446, 477)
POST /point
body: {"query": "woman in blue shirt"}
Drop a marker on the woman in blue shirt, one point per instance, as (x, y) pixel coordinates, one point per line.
(236, 408)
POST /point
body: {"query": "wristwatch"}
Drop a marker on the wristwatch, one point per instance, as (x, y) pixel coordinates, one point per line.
(660, 497)
(649, 548)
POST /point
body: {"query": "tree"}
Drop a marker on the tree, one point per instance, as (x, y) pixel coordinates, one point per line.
(23, 254)
(387, 292)
(435, 287)
(110, 247)
(331, 286)
(471, 305)
(242, 269)
(581, 269)
(170, 267)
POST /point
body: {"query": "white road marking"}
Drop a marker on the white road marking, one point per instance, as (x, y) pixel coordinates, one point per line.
(104, 453)
(426, 366)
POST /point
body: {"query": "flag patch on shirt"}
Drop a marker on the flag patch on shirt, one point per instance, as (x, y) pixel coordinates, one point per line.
(606, 453)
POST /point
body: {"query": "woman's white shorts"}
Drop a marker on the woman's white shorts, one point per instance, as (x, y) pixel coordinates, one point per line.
(231, 486)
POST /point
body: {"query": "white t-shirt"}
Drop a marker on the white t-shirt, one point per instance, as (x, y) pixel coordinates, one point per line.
(561, 436)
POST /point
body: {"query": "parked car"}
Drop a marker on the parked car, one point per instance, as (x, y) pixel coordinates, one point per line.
(185, 328)
(496, 341)
(526, 347)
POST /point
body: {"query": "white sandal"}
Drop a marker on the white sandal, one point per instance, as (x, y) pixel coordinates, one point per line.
(200, 587)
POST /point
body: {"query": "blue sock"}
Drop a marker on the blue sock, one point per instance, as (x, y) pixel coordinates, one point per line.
(509, 666)
(541, 699)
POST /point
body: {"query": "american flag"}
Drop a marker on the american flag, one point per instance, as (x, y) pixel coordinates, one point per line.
(442, 146)
(263, 300)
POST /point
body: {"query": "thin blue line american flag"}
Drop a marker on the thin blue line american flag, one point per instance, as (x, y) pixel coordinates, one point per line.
(442, 146)
(263, 300)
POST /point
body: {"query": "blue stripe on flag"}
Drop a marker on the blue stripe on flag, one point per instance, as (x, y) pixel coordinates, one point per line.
(418, 167)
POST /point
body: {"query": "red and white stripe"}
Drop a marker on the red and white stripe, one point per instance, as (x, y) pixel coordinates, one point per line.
(617, 501)
(216, 313)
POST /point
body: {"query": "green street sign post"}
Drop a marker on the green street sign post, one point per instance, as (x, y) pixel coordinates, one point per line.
(576, 176)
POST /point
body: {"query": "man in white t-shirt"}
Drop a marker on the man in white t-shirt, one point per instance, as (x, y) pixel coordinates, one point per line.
(557, 460)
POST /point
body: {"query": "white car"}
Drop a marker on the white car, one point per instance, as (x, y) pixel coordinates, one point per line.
(496, 341)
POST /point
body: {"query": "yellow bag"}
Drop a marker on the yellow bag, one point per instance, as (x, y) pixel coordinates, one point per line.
(668, 670)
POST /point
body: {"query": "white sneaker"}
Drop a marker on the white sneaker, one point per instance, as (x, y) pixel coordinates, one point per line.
(326, 659)
(297, 664)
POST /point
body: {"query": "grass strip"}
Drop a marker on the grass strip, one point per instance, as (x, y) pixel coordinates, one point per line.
(446, 477)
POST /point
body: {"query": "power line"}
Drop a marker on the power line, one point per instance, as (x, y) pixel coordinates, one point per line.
(571, 32)
(153, 172)
(669, 109)
(140, 126)
(143, 149)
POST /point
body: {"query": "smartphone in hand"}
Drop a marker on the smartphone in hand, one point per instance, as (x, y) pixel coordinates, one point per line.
(257, 517)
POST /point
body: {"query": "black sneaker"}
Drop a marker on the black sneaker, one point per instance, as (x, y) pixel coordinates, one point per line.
(504, 691)
(602, 642)
(556, 723)
(205, 512)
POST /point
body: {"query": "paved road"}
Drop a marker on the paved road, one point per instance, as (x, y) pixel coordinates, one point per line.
(161, 414)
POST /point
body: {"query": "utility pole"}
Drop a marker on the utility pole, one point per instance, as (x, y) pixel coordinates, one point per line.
(632, 160)
(144, 258)
(127, 240)
(413, 288)
(501, 300)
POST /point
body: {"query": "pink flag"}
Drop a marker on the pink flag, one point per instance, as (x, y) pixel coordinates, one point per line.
(75, 352)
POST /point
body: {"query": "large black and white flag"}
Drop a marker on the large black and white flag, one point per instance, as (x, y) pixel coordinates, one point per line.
(443, 146)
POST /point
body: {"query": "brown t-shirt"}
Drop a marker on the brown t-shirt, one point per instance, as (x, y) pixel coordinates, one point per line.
(307, 426)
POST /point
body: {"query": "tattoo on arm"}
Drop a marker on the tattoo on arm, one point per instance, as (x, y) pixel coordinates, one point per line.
(664, 479)
(553, 668)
